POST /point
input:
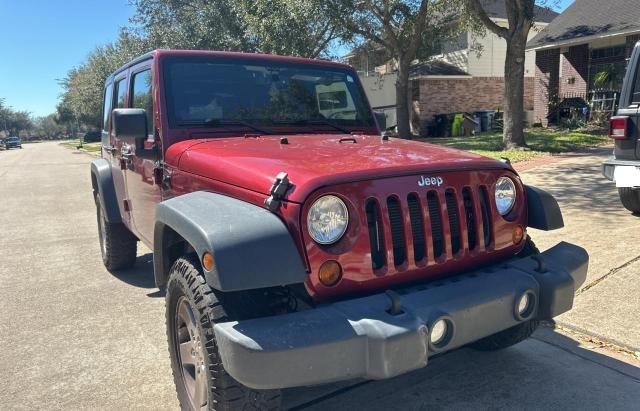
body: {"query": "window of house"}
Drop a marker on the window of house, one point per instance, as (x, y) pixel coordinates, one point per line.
(607, 76)
(106, 107)
(609, 53)
(143, 95)
(121, 93)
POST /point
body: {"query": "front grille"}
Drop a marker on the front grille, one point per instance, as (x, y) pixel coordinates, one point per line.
(449, 220)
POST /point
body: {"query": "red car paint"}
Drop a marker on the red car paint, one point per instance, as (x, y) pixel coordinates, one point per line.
(237, 162)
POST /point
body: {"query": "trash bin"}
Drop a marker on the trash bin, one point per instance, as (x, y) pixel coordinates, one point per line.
(486, 119)
(456, 125)
(443, 125)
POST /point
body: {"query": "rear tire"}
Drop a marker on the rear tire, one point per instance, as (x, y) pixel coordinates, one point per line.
(192, 309)
(118, 245)
(630, 198)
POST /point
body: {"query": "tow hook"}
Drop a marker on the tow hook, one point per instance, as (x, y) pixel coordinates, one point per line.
(396, 303)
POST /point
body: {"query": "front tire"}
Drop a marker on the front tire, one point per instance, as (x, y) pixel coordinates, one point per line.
(515, 334)
(192, 309)
(118, 245)
(630, 198)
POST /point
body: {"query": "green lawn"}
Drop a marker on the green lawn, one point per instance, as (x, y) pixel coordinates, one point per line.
(73, 144)
(540, 141)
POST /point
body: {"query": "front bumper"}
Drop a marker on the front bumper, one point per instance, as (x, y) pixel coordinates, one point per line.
(359, 338)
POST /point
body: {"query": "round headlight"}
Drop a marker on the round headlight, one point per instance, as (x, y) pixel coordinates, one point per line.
(505, 195)
(327, 219)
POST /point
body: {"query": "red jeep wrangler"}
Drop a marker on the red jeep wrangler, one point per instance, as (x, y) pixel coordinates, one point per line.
(296, 244)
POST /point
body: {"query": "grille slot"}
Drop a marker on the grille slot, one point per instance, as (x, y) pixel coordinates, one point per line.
(376, 236)
(454, 220)
(469, 211)
(417, 227)
(436, 223)
(486, 218)
(397, 230)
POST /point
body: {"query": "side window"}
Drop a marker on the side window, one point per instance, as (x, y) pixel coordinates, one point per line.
(143, 95)
(635, 94)
(106, 107)
(121, 92)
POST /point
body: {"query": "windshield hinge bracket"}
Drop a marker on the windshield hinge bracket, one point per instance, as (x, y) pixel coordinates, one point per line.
(279, 188)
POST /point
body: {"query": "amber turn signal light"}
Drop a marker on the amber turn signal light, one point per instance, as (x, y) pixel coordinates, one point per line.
(207, 261)
(330, 273)
(518, 234)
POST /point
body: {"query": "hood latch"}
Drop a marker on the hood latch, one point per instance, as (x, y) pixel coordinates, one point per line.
(279, 188)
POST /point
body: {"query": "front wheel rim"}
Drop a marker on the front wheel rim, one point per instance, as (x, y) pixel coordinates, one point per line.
(189, 350)
(102, 229)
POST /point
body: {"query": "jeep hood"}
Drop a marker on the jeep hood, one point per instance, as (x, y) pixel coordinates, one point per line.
(314, 161)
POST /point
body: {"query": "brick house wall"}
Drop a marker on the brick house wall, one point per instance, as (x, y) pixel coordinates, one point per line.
(574, 70)
(464, 94)
(546, 83)
(631, 42)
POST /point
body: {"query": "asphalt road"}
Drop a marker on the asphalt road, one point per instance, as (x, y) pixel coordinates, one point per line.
(74, 336)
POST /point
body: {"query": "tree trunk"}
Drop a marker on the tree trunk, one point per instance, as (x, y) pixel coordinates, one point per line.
(403, 114)
(513, 135)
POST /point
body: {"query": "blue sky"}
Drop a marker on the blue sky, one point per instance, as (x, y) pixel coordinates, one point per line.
(40, 40)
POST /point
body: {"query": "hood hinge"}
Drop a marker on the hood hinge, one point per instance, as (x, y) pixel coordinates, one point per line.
(279, 188)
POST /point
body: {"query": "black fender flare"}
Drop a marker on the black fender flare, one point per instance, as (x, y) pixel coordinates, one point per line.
(543, 210)
(252, 248)
(103, 186)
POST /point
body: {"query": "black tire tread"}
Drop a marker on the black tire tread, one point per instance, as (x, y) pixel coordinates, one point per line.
(630, 198)
(225, 392)
(506, 338)
(121, 244)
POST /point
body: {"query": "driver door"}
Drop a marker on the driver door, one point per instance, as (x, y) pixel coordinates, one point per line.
(142, 157)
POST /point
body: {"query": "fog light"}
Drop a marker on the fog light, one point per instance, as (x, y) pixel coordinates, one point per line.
(207, 261)
(523, 305)
(330, 273)
(518, 234)
(439, 332)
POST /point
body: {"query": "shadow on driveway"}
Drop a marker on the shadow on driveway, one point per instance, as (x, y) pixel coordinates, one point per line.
(140, 275)
(548, 371)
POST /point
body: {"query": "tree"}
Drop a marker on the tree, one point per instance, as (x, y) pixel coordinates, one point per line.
(406, 29)
(289, 27)
(48, 127)
(18, 121)
(520, 16)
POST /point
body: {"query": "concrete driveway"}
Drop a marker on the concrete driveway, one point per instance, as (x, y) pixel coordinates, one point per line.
(73, 336)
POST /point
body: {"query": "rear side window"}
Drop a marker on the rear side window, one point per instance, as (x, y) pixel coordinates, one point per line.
(121, 92)
(635, 94)
(106, 107)
(143, 94)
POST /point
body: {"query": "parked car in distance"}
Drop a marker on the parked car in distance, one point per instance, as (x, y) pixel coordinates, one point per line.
(296, 245)
(12, 142)
(92, 137)
(624, 128)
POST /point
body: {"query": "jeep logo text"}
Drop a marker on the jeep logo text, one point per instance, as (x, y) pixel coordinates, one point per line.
(433, 181)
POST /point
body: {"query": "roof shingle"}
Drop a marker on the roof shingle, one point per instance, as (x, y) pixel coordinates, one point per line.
(586, 19)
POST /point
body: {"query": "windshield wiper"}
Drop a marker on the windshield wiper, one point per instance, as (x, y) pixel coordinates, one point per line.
(306, 122)
(214, 122)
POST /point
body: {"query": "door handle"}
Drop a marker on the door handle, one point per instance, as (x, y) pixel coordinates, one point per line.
(125, 157)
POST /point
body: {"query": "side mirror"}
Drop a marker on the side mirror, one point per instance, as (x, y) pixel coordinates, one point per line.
(130, 124)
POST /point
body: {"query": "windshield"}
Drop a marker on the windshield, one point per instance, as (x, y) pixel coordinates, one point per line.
(12, 139)
(215, 92)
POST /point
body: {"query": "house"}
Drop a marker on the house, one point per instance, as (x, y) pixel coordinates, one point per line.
(583, 55)
(466, 76)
